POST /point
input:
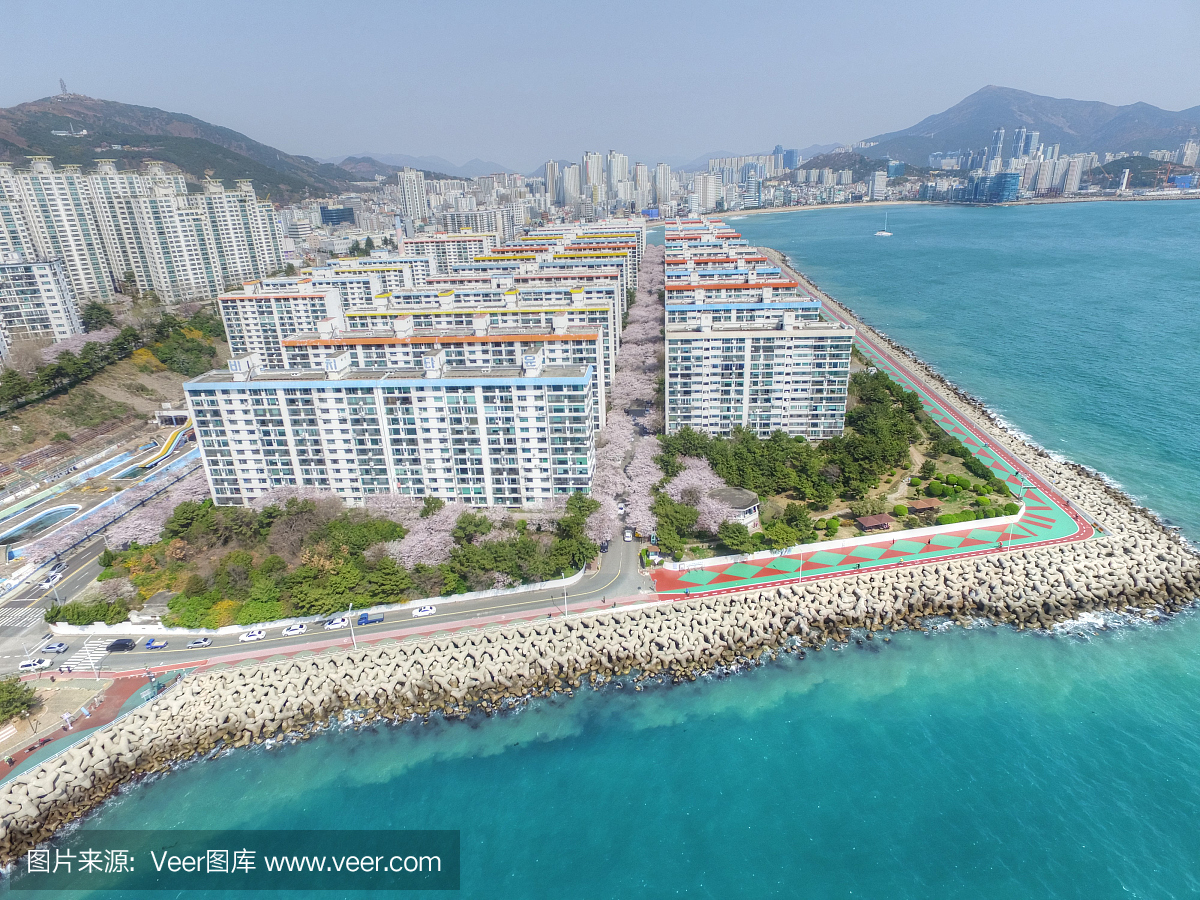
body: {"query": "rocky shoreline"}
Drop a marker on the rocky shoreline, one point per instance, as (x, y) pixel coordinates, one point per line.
(1135, 566)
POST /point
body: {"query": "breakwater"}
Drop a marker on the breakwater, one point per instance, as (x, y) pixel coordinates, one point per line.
(487, 670)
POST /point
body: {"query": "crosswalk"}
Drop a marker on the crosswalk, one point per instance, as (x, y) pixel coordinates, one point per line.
(91, 652)
(19, 616)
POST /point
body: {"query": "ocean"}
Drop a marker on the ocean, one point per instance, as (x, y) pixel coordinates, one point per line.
(968, 763)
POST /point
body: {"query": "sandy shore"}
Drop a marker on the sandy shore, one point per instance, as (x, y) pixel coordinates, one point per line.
(881, 204)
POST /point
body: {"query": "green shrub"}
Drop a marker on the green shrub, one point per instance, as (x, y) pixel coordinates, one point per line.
(1011, 509)
(76, 613)
(915, 481)
(899, 511)
(831, 528)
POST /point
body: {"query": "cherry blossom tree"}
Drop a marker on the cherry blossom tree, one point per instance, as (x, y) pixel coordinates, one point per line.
(643, 473)
(76, 342)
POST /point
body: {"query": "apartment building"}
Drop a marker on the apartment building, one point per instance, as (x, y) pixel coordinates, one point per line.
(110, 226)
(746, 347)
(36, 301)
(260, 315)
(448, 250)
(514, 436)
(60, 219)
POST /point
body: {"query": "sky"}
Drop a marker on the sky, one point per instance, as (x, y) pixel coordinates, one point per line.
(520, 81)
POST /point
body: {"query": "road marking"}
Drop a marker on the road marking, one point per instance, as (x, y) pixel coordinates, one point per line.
(6, 733)
(21, 617)
(91, 653)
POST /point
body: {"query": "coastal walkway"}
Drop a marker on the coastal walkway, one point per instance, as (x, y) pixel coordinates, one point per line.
(1049, 517)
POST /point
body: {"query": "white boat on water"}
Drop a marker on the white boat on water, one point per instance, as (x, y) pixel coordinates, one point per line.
(884, 232)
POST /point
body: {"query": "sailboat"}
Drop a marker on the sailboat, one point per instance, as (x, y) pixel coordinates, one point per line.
(884, 232)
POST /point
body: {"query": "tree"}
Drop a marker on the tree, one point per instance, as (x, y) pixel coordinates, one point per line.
(16, 697)
(289, 269)
(431, 505)
(928, 469)
(368, 246)
(14, 387)
(355, 248)
(736, 537)
(780, 535)
(95, 315)
(869, 507)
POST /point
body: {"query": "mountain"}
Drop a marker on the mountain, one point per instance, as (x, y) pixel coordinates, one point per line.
(1076, 125)
(196, 147)
(365, 168)
(469, 169)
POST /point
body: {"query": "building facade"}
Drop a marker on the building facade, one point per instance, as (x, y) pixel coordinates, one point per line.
(746, 347)
(519, 436)
(37, 302)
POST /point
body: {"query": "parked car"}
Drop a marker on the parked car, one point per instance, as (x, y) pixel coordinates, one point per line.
(256, 635)
(628, 534)
(56, 647)
(334, 624)
(604, 546)
(120, 645)
(620, 509)
(368, 619)
(154, 644)
(34, 665)
(293, 630)
(199, 644)
(59, 567)
(424, 611)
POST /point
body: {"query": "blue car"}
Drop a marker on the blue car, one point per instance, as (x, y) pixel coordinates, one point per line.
(154, 644)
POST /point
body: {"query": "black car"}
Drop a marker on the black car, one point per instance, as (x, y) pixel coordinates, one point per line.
(121, 644)
(604, 546)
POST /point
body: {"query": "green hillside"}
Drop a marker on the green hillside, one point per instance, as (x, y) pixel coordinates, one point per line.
(197, 148)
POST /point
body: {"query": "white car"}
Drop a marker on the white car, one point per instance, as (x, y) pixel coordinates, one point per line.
(339, 622)
(620, 509)
(424, 611)
(256, 635)
(34, 665)
(51, 580)
(293, 630)
(628, 534)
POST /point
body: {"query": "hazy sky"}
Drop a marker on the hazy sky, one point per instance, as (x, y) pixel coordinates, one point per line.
(516, 82)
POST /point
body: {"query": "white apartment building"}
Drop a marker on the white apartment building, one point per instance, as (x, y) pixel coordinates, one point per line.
(877, 186)
(517, 436)
(449, 250)
(110, 225)
(360, 279)
(414, 203)
(14, 233)
(36, 301)
(749, 351)
(61, 222)
(260, 315)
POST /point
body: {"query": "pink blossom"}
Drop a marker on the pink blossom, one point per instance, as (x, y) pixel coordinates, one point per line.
(643, 473)
(76, 342)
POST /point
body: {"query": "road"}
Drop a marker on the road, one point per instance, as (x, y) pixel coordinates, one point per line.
(618, 576)
(22, 625)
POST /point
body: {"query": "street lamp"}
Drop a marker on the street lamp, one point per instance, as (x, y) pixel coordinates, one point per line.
(1020, 496)
(353, 640)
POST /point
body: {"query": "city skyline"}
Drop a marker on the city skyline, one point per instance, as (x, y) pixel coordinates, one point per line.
(833, 96)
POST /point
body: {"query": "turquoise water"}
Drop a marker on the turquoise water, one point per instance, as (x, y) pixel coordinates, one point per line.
(974, 764)
(1079, 323)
